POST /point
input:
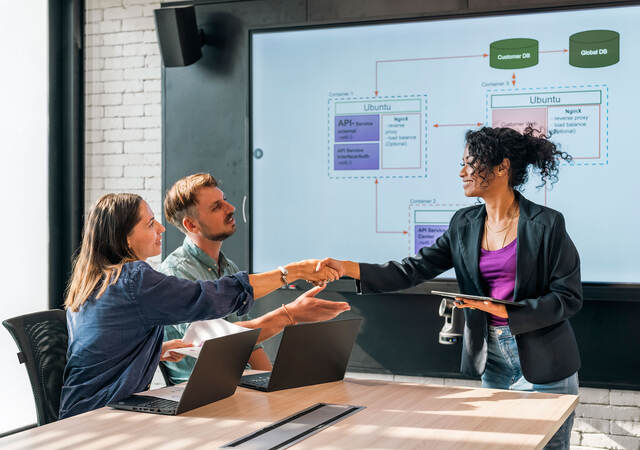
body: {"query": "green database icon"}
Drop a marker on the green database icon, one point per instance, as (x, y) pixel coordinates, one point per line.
(515, 53)
(594, 48)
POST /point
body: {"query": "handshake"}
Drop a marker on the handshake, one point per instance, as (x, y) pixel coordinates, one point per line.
(308, 308)
(321, 271)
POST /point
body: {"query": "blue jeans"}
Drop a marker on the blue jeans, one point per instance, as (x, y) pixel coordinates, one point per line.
(503, 372)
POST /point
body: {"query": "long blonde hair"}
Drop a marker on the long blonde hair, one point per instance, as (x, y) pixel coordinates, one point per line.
(104, 247)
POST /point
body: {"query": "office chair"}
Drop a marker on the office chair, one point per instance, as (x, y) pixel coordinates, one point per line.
(42, 340)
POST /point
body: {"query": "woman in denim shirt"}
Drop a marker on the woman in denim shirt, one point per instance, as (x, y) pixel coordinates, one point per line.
(117, 304)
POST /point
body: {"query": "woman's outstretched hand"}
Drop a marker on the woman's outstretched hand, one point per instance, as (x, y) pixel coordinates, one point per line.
(308, 308)
(312, 271)
(341, 268)
(335, 264)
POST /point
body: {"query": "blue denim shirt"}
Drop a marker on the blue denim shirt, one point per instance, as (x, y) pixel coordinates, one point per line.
(115, 340)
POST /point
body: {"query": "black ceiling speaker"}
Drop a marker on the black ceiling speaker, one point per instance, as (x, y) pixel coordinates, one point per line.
(178, 35)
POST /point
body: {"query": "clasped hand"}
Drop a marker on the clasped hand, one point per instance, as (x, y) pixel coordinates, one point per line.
(316, 271)
(327, 270)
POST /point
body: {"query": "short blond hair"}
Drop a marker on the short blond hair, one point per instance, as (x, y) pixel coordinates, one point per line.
(181, 198)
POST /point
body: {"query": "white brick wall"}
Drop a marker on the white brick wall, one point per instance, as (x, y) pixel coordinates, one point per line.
(123, 152)
(123, 103)
(607, 418)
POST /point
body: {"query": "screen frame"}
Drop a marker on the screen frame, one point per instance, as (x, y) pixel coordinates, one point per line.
(600, 291)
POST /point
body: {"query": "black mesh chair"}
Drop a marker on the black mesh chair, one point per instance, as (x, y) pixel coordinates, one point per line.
(42, 340)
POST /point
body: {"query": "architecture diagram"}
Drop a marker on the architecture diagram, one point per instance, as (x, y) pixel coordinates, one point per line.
(362, 129)
(388, 138)
(377, 138)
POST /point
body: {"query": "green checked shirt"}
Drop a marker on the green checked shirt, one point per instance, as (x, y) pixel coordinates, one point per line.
(190, 262)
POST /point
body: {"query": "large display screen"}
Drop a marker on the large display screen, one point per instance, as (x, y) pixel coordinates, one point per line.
(358, 131)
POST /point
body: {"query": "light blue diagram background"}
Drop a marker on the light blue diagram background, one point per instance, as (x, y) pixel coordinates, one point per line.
(300, 212)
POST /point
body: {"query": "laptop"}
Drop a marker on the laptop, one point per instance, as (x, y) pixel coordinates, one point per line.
(309, 353)
(214, 377)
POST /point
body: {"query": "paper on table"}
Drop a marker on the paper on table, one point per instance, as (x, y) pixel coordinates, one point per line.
(168, 393)
(203, 330)
(194, 352)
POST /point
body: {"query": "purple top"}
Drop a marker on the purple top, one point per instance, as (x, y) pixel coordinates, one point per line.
(498, 268)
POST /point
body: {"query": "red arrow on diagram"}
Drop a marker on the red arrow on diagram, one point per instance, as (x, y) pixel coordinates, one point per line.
(440, 125)
(554, 51)
(435, 58)
(377, 230)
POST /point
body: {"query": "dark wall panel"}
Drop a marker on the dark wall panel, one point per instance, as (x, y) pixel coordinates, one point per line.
(504, 5)
(66, 142)
(205, 107)
(608, 337)
(206, 128)
(399, 333)
(326, 10)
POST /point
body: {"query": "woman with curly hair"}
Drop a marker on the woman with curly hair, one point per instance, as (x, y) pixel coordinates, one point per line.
(508, 248)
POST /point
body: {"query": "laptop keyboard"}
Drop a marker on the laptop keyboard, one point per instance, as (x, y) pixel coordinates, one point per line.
(261, 380)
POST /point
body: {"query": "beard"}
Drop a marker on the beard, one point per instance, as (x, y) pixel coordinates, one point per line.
(218, 236)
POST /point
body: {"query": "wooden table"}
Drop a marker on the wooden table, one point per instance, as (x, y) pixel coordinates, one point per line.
(397, 415)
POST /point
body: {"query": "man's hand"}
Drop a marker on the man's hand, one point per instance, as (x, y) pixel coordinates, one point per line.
(334, 264)
(497, 309)
(267, 282)
(312, 270)
(342, 268)
(308, 308)
(168, 345)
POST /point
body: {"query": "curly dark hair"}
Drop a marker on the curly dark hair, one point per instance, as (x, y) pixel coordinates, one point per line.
(489, 146)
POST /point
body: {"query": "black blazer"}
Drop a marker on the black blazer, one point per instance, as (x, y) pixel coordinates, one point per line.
(547, 283)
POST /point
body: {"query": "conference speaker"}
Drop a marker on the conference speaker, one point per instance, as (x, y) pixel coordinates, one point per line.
(178, 35)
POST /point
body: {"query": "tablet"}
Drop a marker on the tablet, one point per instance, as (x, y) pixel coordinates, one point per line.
(476, 297)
